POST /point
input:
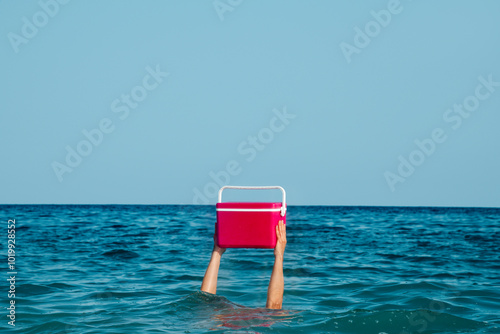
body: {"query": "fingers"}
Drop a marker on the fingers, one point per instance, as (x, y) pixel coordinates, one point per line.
(281, 230)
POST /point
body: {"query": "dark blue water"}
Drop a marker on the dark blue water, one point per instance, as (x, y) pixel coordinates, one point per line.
(138, 269)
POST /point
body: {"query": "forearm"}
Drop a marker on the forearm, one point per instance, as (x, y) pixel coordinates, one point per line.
(209, 283)
(276, 285)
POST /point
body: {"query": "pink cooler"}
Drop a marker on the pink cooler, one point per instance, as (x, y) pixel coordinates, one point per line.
(249, 224)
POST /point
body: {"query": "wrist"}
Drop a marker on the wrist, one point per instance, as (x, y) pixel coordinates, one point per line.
(217, 252)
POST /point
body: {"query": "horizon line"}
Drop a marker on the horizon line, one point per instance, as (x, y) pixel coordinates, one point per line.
(318, 205)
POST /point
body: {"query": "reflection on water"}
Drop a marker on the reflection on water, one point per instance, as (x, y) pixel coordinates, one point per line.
(219, 313)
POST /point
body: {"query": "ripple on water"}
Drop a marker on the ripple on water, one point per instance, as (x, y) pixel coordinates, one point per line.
(122, 254)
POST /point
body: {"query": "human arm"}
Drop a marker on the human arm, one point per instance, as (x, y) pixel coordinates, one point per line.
(209, 283)
(277, 283)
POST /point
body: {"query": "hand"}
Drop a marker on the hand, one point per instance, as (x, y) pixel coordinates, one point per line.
(216, 246)
(279, 250)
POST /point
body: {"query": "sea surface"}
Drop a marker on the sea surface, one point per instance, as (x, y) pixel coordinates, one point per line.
(138, 269)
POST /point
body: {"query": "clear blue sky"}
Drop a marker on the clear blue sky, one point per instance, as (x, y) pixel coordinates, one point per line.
(258, 92)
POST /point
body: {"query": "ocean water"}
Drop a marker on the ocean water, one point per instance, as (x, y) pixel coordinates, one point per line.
(138, 269)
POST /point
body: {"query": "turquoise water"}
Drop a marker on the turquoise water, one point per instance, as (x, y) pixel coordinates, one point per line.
(138, 269)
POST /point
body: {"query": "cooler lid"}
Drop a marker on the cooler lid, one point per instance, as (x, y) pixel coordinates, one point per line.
(249, 206)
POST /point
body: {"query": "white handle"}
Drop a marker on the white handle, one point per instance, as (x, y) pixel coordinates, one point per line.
(283, 205)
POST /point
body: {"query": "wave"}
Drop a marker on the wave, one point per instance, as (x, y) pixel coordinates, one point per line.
(121, 254)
